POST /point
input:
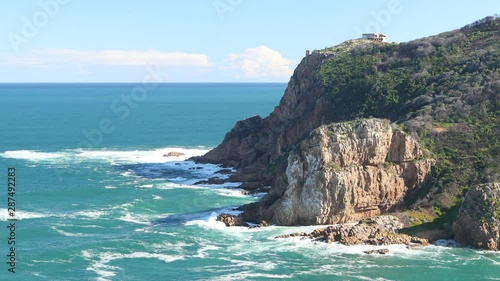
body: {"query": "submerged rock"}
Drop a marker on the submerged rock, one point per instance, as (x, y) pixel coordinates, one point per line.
(174, 154)
(478, 221)
(379, 251)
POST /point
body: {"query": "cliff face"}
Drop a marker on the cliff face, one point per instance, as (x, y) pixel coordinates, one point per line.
(478, 222)
(254, 143)
(345, 172)
(443, 89)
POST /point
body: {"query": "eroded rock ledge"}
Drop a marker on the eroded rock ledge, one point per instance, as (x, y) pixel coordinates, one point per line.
(378, 231)
(344, 172)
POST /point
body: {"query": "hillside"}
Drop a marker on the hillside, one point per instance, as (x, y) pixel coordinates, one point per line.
(443, 91)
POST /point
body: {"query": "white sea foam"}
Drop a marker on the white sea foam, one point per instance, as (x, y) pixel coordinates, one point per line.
(177, 247)
(90, 214)
(141, 156)
(231, 192)
(22, 215)
(203, 251)
(143, 219)
(157, 197)
(150, 230)
(170, 185)
(177, 179)
(100, 261)
(127, 174)
(33, 155)
(249, 275)
(208, 222)
(138, 219)
(268, 265)
(69, 156)
(69, 234)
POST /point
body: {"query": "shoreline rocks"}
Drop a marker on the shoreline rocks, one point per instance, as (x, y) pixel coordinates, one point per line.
(367, 232)
(231, 220)
(213, 180)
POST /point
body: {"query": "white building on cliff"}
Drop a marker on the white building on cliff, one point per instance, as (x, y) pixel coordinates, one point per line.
(380, 37)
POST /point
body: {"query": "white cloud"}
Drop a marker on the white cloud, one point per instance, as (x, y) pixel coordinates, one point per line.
(105, 57)
(260, 62)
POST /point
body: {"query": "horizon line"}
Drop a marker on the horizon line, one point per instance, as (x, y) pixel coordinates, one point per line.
(4, 83)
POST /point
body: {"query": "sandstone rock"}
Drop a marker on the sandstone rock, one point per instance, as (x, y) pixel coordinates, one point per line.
(478, 221)
(231, 220)
(174, 154)
(367, 232)
(345, 172)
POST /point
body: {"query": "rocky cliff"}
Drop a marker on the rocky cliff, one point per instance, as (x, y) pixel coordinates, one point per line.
(442, 90)
(478, 222)
(344, 172)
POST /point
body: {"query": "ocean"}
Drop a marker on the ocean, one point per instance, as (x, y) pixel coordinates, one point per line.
(96, 197)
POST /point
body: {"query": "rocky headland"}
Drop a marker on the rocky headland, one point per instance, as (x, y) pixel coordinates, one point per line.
(367, 128)
(478, 221)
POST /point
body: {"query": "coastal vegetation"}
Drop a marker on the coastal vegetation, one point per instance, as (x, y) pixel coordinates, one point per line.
(441, 89)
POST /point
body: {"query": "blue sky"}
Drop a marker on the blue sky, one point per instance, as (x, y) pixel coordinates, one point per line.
(201, 40)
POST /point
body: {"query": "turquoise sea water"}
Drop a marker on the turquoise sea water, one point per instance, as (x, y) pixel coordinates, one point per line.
(96, 199)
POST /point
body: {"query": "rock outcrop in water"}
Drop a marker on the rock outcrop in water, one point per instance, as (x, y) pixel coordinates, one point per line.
(231, 220)
(345, 172)
(478, 222)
